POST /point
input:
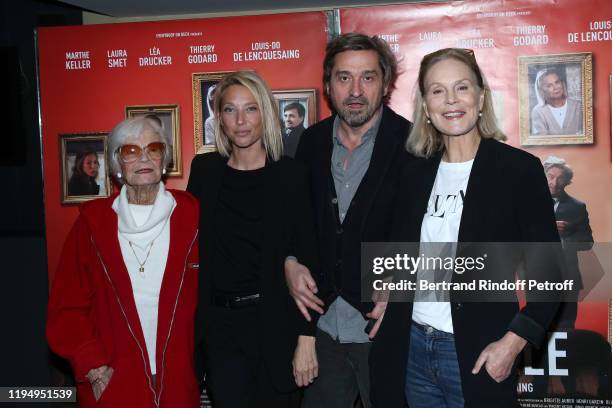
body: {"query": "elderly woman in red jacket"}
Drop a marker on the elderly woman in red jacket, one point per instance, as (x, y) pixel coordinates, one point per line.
(122, 305)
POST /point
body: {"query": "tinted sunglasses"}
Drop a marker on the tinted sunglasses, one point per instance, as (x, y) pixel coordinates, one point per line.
(130, 152)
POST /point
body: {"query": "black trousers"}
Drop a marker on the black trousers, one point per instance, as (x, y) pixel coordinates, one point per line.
(236, 376)
(343, 375)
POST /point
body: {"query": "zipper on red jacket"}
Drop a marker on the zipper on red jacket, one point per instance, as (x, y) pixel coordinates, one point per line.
(155, 399)
(163, 359)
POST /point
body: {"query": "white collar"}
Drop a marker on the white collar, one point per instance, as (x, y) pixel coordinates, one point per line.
(144, 234)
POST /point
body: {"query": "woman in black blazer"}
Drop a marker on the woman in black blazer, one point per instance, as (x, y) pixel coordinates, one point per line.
(255, 211)
(467, 188)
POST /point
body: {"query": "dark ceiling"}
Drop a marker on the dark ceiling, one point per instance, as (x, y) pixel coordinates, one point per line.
(143, 8)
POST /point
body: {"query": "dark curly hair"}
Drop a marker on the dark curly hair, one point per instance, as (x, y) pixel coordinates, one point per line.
(362, 42)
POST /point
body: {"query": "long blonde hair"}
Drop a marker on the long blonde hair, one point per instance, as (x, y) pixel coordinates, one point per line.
(424, 139)
(272, 137)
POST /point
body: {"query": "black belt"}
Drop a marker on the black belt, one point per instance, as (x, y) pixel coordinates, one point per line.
(235, 302)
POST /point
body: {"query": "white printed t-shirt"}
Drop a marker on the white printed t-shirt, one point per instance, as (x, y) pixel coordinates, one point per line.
(441, 224)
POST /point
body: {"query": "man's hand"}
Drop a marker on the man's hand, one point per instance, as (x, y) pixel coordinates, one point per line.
(380, 299)
(99, 379)
(302, 287)
(562, 226)
(498, 357)
(377, 313)
(305, 365)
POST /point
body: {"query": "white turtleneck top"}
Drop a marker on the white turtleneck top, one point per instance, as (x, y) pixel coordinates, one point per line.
(147, 228)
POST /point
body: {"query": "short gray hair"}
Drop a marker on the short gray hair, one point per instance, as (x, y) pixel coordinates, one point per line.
(567, 174)
(134, 127)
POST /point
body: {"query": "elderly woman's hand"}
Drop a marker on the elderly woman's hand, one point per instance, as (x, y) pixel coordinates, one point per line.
(305, 364)
(99, 379)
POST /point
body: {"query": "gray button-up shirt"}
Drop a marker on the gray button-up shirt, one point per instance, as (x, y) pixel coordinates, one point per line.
(342, 321)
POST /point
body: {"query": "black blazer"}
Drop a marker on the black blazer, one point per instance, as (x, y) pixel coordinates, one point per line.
(577, 236)
(291, 140)
(369, 215)
(507, 200)
(288, 230)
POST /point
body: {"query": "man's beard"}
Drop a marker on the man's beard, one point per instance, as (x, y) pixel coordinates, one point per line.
(356, 118)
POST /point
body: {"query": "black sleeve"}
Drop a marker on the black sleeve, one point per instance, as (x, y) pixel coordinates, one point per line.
(193, 185)
(303, 238)
(537, 225)
(305, 147)
(580, 234)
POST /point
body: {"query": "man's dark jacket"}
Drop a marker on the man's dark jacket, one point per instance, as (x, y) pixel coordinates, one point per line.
(577, 235)
(369, 216)
(292, 139)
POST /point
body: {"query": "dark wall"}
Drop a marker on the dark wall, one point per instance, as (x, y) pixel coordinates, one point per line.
(23, 271)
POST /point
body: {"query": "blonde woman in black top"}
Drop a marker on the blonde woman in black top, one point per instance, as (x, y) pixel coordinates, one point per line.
(256, 349)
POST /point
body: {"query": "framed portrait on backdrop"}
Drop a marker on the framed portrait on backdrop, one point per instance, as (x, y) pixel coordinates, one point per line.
(297, 110)
(556, 99)
(169, 119)
(204, 85)
(84, 169)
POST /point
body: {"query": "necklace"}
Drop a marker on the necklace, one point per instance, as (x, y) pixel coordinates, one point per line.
(142, 264)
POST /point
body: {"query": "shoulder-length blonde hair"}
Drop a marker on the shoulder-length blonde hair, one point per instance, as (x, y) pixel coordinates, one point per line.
(272, 138)
(424, 139)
